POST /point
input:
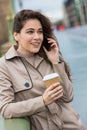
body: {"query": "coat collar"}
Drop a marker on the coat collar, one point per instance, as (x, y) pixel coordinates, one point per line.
(12, 53)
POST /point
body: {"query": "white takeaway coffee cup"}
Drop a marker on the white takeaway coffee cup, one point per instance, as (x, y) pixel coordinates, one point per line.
(51, 79)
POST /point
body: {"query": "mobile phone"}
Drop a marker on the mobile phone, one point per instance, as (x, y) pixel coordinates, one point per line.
(46, 44)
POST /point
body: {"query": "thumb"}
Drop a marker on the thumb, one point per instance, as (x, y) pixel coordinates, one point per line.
(45, 50)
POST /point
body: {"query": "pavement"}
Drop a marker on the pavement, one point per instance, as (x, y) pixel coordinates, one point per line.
(73, 45)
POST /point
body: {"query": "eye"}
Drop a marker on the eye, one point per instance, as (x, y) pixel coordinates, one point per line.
(30, 31)
(40, 31)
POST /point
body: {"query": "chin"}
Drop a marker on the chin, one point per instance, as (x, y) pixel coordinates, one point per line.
(36, 50)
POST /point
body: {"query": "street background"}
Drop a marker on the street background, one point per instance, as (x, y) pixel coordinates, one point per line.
(69, 22)
(73, 45)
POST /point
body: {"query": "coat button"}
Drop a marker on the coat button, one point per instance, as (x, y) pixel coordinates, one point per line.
(27, 84)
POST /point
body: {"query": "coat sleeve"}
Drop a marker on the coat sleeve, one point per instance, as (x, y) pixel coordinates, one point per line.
(65, 82)
(8, 107)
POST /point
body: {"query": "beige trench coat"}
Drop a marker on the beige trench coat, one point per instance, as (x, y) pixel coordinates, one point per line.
(21, 89)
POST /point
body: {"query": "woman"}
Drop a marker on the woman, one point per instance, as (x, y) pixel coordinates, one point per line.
(22, 68)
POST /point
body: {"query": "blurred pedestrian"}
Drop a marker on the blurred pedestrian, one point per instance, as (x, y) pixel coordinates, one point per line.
(22, 90)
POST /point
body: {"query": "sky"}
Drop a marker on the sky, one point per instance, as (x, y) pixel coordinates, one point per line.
(52, 8)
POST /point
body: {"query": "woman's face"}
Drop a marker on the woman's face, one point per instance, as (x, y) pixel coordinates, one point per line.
(30, 37)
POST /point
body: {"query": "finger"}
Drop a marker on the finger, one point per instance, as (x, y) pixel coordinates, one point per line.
(57, 89)
(53, 45)
(53, 86)
(51, 39)
(57, 94)
(45, 50)
(58, 97)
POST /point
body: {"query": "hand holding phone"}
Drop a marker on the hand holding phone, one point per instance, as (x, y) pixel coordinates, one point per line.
(52, 49)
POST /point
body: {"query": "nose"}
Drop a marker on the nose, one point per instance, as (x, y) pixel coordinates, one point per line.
(36, 35)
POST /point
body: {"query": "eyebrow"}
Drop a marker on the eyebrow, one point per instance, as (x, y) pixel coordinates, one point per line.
(33, 29)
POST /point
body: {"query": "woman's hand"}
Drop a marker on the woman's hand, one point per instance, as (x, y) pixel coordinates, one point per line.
(53, 54)
(52, 93)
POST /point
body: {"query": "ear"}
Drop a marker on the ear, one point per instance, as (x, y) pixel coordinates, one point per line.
(16, 36)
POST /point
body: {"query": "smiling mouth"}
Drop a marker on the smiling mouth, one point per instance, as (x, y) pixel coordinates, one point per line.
(35, 44)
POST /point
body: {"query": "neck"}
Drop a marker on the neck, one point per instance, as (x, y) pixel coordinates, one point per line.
(25, 54)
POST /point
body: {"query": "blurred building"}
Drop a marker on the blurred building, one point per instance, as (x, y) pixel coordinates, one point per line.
(6, 24)
(76, 12)
(4, 12)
